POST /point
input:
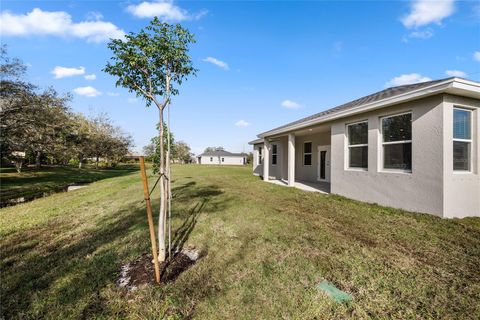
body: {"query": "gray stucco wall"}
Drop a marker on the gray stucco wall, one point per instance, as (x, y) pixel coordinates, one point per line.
(304, 172)
(422, 189)
(432, 186)
(279, 171)
(461, 189)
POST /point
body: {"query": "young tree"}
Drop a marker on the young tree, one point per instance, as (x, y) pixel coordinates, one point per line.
(156, 145)
(151, 63)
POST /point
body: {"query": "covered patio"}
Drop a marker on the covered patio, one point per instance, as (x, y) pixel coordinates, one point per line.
(298, 159)
(322, 187)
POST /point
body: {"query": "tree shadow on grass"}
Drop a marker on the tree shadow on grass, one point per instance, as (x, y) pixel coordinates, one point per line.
(46, 273)
(182, 234)
(60, 270)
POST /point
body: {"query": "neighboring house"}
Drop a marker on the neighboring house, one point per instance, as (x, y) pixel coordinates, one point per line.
(132, 156)
(415, 147)
(222, 157)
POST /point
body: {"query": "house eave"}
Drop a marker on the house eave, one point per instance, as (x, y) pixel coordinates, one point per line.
(256, 141)
(453, 85)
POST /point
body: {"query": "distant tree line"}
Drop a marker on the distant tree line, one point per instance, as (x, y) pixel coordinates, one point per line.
(39, 126)
(213, 149)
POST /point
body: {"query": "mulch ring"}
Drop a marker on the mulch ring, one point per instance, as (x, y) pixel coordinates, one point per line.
(141, 272)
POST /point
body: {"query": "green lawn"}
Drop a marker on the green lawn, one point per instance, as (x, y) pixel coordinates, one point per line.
(33, 182)
(267, 246)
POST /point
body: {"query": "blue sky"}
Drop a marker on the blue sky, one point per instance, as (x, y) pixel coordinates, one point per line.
(261, 64)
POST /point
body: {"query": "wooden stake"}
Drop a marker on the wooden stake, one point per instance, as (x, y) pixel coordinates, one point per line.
(150, 218)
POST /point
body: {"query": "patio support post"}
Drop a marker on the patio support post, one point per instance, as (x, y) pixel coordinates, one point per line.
(291, 160)
(266, 159)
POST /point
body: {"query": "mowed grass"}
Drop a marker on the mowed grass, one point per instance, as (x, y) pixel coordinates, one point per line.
(266, 246)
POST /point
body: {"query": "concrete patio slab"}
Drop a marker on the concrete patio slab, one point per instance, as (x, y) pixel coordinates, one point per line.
(322, 187)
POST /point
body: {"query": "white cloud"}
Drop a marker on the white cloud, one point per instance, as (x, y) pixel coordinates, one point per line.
(165, 10)
(476, 55)
(290, 104)
(424, 12)
(94, 15)
(113, 94)
(217, 62)
(455, 73)
(63, 72)
(87, 91)
(242, 123)
(425, 34)
(406, 79)
(90, 77)
(56, 23)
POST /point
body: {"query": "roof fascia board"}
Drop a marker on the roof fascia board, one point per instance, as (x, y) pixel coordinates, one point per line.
(468, 88)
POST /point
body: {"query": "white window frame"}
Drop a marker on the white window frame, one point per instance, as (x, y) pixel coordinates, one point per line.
(470, 141)
(223, 159)
(260, 156)
(355, 146)
(382, 144)
(211, 159)
(306, 153)
(275, 154)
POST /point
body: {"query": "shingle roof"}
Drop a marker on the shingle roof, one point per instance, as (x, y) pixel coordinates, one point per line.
(221, 153)
(377, 96)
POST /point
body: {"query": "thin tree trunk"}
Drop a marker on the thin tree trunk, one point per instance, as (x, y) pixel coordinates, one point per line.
(38, 157)
(161, 213)
(18, 165)
(80, 163)
(96, 163)
(169, 181)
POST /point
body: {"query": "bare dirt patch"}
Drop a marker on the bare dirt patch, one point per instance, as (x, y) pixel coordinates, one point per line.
(140, 272)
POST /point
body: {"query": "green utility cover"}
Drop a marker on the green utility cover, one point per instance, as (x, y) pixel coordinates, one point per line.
(334, 293)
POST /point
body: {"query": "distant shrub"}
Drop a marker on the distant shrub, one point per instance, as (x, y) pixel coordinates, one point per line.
(73, 162)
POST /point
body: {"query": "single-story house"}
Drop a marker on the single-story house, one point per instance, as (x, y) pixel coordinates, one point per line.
(415, 147)
(132, 156)
(222, 157)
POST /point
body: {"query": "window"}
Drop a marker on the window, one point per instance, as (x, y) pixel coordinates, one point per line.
(307, 154)
(223, 159)
(274, 154)
(397, 142)
(211, 159)
(358, 145)
(260, 155)
(462, 139)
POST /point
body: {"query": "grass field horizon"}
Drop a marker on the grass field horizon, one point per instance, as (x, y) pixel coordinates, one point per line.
(266, 248)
